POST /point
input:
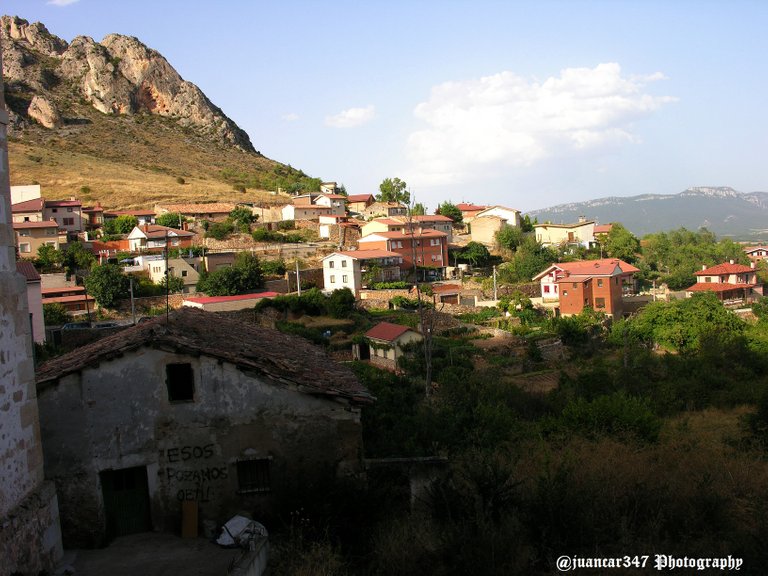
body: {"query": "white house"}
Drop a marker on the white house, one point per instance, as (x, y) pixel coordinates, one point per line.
(346, 269)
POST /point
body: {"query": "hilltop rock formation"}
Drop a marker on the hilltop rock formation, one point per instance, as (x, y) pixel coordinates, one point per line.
(118, 75)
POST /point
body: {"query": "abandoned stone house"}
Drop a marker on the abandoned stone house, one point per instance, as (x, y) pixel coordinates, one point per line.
(201, 408)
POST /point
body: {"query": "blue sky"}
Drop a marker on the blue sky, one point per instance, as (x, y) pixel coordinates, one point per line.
(522, 103)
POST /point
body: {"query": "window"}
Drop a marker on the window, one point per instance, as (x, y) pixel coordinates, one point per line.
(69, 221)
(24, 233)
(25, 248)
(69, 209)
(565, 292)
(50, 232)
(333, 279)
(343, 263)
(54, 210)
(707, 278)
(253, 475)
(330, 263)
(344, 278)
(26, 218)
(183, 273)
(575, 285)
(599, 303)
(599, 282)
(180, 381)
(546, 289)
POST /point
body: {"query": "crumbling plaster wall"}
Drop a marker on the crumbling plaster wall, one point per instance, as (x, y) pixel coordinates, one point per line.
(117, 415)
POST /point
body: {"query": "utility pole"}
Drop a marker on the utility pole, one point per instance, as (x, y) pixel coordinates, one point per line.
(298, 280)
(167, 283)
(133, 307)
(495, 296)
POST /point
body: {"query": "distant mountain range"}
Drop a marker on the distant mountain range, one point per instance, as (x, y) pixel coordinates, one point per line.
(722, 210)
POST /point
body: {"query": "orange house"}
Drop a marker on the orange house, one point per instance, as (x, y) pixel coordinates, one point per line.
(599, 284)
(422, 248)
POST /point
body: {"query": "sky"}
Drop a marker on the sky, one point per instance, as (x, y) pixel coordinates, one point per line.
(527, 104)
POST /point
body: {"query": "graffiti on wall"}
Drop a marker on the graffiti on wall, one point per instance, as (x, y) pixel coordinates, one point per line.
(191, 472)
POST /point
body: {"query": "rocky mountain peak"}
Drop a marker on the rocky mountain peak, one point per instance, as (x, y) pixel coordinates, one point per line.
(119, 75)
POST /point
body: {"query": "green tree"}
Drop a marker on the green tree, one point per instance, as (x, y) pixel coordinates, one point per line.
(175, 284)
(394, 190)
(170, 220)
(48, 257)
(220, 230)
(243, 277)
(451, 210)
(418, 209)
(120, 225)
(76, 258)
(621, 243)
(342, 190)
(341, 303)
(107, 284)
(475, 253)
(55, 314)
(526, 224)
(529, 259)
(242, 217)
(509, 237)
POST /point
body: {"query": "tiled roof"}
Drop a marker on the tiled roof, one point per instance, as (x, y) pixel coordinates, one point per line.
(749, 249)
(416, 234)
(366, 254)
(603, 228)
(43, 224)
(386, 331)
(68, 299)
(61, 289)
(725, 268)
(335, 196)
(34, 205)
(603, 267)
(359, 197)
(446, 289)
(470, 207)
(431, 218)
(566, 226)
(596, 267)
(61, 203)
(278, 357)
(157, 231)
(212, 208)
(717, 287)
(217, 299)
(27, 270)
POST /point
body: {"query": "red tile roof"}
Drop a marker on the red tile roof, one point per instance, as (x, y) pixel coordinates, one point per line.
(432, 218)
(27, 270)
(603, 267)
(34, 205)
(43, 224)
(62, 289)
(416, 234)
(717, 287)
(603, 228)
(68, 299)
(62, 203)
(366, 254)
(386, 331)
(359, 197)
(128, 212)
(725, 268)
(470, 207)
(217, 299)
(157, 231)
(275, 357)
(446, 289)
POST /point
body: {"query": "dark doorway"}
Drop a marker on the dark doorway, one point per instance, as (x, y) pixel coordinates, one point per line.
(126, 501)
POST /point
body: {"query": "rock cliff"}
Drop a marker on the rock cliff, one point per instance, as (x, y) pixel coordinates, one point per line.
(118, 75)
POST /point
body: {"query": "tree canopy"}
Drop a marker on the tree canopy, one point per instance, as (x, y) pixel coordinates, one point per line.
(243, 277)
(107, 284)
(393, 190)
(120, 225)
(418, 209)
(621, 243)
(451, 210)
(170, 220)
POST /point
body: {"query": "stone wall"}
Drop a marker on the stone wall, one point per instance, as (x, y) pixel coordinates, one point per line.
(24, 525)
(144, 304)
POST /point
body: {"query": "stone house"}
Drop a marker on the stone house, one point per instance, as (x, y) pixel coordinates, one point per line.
(201, 410)
(385, 344)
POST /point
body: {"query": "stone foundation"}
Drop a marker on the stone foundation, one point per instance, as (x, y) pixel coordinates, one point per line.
(30, 537)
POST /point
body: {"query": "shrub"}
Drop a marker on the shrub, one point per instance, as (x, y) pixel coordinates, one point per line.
(180, 180)
(55, 314)
(220, 230)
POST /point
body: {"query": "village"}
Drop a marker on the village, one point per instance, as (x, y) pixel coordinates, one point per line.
(236, 368)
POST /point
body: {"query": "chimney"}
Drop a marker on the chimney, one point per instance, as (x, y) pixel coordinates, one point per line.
(582, 219)
(752, 265)
(703, 266)
(731, 261)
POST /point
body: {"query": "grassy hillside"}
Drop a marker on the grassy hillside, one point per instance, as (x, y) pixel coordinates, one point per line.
(135, 161)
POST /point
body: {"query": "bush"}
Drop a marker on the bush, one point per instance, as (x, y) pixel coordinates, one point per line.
(180, 180)
(55, 314)
(220, 230)
(389, 285)
(273, 267)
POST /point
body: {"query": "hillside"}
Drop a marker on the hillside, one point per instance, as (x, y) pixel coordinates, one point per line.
(722, 210)
(114, 122)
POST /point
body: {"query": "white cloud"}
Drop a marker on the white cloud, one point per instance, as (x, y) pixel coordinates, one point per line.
(352, 117)
(505, 121)
(61, 2)
(292, 117)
